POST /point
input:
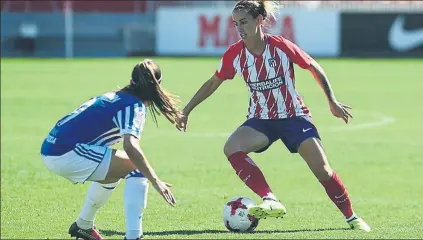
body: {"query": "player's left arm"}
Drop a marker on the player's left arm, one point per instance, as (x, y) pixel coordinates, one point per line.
(338, 109)
(305, 61)
(322, 79)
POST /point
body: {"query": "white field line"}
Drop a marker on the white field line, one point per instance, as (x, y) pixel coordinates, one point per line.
(380, 120)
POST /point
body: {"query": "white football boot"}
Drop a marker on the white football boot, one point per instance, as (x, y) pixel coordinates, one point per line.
(268, 208)
(358, 224)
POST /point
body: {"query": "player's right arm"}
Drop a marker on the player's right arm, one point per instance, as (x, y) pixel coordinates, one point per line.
(130, 119)
(207, 89)
(138, 158)
(226, 71)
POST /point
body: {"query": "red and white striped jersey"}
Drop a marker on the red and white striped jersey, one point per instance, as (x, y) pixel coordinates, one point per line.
(269, 77)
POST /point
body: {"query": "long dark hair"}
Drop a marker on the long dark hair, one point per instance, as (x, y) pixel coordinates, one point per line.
(145, 84)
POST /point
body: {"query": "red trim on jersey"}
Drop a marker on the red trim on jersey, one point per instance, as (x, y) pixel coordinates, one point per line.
(284, 89)
(262, 75)
(295, 53)
(304, 108)
(292, 72)
(226, 71)
(271, 103)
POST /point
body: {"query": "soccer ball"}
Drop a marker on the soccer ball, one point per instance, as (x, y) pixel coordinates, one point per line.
(236, 217)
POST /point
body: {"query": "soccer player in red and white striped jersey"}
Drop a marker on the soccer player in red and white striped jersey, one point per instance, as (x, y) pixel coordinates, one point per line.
(276, 110)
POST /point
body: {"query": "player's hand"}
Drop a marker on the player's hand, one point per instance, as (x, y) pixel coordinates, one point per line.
(164, 190)
(340, 110)
(181, 123)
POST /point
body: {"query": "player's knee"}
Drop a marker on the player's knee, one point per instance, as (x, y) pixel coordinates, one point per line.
(110, 180)
(323, 173)
(232, 147)
(227, 150)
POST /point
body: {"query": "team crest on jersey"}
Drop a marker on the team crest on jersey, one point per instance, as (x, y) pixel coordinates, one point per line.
(272, 62)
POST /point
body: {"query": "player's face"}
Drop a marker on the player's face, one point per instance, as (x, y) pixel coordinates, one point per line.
(245, 24)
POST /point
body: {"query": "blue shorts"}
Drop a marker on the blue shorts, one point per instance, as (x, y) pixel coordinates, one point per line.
(292, 131)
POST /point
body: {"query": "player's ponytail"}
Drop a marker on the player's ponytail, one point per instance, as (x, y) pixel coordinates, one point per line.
(270, 8)
(265, 8)
(145, 84)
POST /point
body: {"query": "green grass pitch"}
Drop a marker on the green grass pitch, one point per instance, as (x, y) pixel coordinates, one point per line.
(378, 155)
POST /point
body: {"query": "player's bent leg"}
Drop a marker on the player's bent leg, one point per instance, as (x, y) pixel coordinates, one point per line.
(135, 192)
(243, 141)
(135, 200)
(311, 150)
(135, 197)
(120, 166)
(98, 194)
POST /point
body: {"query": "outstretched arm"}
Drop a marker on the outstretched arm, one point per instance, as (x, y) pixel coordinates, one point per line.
(321, 78)
(207, 89)
(338, 109)
(303, 60)
(132, 148)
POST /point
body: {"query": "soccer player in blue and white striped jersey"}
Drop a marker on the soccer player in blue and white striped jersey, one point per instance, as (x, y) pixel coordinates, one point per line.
(78, 148)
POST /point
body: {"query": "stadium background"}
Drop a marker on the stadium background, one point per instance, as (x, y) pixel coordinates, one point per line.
(122, 28)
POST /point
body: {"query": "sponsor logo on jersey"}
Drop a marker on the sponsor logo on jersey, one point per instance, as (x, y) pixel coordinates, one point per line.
(268, 84)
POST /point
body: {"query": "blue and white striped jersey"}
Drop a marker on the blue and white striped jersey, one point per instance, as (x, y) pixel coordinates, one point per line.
(101, 121)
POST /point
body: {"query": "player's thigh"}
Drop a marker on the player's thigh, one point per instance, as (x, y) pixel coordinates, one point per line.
(120, 166)
(311, 150)
(245, 139)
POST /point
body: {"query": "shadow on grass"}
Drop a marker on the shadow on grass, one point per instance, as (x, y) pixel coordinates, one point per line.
(209, 231)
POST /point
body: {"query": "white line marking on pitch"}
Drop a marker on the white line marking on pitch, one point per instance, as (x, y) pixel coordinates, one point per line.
(380, 121)
(385, 120)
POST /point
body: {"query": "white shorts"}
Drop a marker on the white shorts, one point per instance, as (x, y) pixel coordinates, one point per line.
(83, 163)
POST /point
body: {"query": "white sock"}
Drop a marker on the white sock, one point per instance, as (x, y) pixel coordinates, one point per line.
(135, 198)
(351, 218)
(97, 196)
(271, 196)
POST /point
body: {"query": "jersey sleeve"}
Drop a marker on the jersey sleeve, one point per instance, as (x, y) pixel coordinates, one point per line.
(226, 70)
(294, 52)
(131, 119)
